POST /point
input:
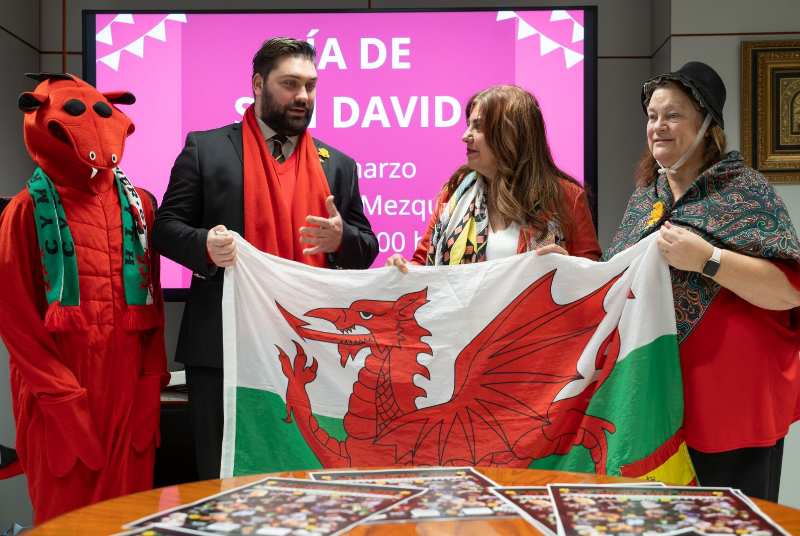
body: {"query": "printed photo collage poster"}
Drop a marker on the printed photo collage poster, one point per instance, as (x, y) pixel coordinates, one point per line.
(279, 506)
(452, 493)
(335, 501)
(533, 503)
(160, 530)
(583, 510)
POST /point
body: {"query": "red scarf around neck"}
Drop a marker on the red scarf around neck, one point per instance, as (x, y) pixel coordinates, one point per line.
(269, 223)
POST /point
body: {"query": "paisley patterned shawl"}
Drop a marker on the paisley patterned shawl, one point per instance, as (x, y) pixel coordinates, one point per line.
(731, 206)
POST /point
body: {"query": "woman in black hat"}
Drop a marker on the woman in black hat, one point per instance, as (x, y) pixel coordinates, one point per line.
(734, 255)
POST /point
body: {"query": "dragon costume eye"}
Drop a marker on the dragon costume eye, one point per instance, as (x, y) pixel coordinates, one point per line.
(102, 109)
(74, 107)
(364, 315)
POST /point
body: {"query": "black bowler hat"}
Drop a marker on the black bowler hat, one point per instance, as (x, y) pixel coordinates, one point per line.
(706, 85)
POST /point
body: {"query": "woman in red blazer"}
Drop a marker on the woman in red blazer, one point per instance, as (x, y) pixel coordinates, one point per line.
(509, 197)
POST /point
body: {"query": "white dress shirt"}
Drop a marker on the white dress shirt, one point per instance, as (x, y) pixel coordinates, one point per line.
(287, 148)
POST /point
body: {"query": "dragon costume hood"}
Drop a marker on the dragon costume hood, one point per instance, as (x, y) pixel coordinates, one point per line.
(72, 131)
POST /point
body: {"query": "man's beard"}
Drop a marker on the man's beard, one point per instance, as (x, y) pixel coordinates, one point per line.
(278, 118)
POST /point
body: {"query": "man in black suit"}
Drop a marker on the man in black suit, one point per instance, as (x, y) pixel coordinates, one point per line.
(262, 178)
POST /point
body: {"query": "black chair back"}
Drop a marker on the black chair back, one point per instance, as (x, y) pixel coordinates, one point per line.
(152, 199)
(4, 201)
(7, 456)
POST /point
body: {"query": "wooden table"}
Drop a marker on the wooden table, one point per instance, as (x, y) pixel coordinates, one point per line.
(108, 517)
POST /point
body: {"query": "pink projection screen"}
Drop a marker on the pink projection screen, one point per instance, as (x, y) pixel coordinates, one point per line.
(391, 92)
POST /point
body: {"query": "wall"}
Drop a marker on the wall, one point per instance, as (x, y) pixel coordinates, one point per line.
(711, 31)
(19, 40)
(636, 40)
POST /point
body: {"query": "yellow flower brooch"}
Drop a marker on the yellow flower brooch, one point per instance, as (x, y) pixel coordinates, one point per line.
(656, 213)
(323, 154)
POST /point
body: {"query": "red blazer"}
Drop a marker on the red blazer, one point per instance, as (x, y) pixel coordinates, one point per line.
(584, 238)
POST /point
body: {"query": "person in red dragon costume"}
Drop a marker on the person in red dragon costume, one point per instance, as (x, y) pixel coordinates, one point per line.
(81, 311)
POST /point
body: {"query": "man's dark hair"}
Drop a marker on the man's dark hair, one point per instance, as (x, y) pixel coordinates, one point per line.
(277, 48)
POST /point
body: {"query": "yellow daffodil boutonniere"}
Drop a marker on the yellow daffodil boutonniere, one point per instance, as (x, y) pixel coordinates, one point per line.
(323, 154)
(656, 213)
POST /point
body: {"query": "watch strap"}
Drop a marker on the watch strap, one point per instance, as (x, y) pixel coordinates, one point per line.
(711, 266)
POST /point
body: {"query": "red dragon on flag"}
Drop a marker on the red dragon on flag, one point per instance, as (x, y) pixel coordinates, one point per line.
(510, 404)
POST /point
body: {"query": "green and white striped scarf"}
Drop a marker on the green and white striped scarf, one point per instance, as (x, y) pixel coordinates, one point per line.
(60, 266)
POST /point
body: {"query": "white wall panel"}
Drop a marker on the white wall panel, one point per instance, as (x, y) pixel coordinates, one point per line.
(621, 138)
(734, 16)
(21, 19)
(16, 60)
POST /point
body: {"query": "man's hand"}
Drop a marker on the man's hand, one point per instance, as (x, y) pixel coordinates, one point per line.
(327, 235)
(221, 247)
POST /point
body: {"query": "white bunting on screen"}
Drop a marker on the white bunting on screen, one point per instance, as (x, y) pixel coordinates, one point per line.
(104, 35)
(572, 57)
(136, 47)
(158, 32)
(559, 14)
(577, 32)
(525, 30)
(112, 60)
(577, 28)
(548, 45)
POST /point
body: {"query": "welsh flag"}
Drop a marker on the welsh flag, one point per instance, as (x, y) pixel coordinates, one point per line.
(531, 361)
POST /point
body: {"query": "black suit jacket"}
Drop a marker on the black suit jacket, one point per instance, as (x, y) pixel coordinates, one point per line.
(205, 190)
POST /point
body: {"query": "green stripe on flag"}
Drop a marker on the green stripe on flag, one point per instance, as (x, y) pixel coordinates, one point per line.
(651, 372)
(264, 441)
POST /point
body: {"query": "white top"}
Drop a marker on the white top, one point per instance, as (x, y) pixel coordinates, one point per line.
(287, 148)
(503, 243)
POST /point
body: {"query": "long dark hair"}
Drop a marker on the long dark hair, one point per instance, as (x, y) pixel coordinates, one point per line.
(528, 187)
(711, 149)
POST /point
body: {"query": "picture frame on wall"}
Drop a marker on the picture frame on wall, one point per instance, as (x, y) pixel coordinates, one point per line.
(771, 108)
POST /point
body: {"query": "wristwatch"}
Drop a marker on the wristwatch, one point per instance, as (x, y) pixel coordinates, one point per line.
(711, 267)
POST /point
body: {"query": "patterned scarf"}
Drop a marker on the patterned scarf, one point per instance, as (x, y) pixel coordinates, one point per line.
(731, 206)
(462, 230)
(60, 266)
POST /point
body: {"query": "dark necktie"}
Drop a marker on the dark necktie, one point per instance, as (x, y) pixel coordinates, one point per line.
(278, 141)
